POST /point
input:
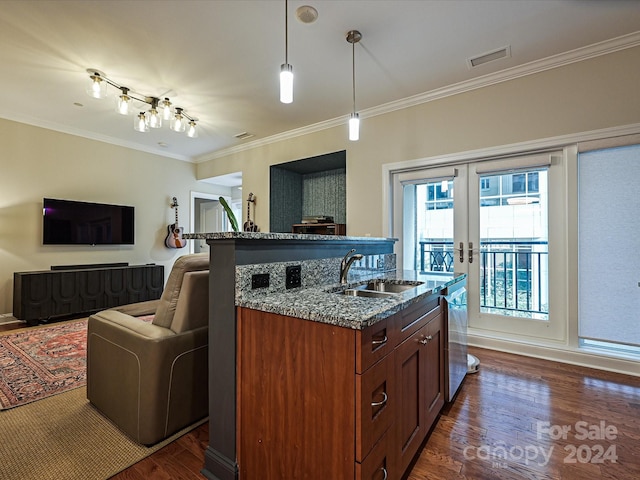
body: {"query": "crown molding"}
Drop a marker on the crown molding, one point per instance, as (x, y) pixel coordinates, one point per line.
(37, 122)
(573, 56)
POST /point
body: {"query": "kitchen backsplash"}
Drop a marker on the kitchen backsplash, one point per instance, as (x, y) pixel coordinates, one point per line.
(313, 273)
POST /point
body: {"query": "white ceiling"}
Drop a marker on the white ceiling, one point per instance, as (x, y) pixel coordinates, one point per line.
(220, 59)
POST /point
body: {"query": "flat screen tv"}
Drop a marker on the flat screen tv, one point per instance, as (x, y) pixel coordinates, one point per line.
(68, 222)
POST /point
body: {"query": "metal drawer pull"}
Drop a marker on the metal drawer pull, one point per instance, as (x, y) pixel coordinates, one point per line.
(384, 400)
(379, 342)
(426, 340)
(384, 470)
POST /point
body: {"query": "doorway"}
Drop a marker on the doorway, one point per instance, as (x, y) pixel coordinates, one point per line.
(207, 215)
(491, 220)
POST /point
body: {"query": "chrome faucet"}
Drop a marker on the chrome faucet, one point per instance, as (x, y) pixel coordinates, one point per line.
(345, 264)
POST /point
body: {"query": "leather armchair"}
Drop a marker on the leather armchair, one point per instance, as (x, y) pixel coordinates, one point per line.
(151, 379)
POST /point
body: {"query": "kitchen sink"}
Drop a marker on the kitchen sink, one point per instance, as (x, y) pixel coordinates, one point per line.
(394, 286)
(379, 288)
(357, 292)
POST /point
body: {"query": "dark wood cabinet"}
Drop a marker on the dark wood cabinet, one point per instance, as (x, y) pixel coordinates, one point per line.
(420, 385)
(321, 401)
(320, 228)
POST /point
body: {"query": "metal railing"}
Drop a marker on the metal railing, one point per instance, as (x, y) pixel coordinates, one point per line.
(512, 273)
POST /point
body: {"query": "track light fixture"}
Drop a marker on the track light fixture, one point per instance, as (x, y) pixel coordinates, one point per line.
(161, 109)
(286, 70)
(353, 37)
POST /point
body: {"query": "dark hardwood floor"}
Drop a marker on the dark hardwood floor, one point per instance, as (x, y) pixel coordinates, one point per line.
(506, 423)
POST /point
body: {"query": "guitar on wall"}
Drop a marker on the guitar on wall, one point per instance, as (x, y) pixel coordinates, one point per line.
(249, 225)
(174, 237)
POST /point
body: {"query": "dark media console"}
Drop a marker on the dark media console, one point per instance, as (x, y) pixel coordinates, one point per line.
(69, 291)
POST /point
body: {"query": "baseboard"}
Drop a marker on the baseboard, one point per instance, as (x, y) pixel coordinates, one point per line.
(567, 355)
(7, 318)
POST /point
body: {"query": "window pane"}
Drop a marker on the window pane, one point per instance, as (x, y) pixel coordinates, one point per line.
(433, 227)
(608, 206)
(514, 248)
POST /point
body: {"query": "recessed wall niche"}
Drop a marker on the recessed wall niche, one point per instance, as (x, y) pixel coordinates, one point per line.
(310, 186)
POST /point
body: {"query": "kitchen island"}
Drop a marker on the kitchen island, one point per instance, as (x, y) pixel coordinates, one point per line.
(307, 381)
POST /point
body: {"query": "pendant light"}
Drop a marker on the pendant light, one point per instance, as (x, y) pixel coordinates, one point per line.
(286, 70)
(178, 121)
(98, 86)
(353, 37)
(153, 117)
(123, 102)
(140, 123)
(165, 108)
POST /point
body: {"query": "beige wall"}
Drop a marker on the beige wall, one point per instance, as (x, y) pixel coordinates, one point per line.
(37, 163)
(593, 94)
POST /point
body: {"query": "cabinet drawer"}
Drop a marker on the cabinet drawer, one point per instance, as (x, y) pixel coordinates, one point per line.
(380, 463)
(375, 404)
(374, 342)
(412, 318)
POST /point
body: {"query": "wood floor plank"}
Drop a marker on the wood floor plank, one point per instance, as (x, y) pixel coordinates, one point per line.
(503, 405)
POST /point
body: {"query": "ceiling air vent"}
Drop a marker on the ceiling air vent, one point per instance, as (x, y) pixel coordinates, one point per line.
(503, 52)
(243, 135)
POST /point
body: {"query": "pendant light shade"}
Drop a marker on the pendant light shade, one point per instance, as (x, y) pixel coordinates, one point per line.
(140, 123)
(286, 83)
(353, 37)
(286, 70)
(354, 127)
(192, 131)
(98, 86)
(123, 102)
(165, 108)
(178, 121)
(153, 117)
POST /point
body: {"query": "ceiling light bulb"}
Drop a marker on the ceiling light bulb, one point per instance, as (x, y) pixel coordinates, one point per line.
(165, 108)
(286, 83)
(140, 123)
(178, 121)
(192, 132)
(98, 87)
(153, 118)
(354, 127)
(123, 101)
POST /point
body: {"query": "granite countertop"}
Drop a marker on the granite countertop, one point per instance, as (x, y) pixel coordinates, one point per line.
(277, 236)
(323, 304)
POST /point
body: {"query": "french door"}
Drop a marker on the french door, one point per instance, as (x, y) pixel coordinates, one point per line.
(491, 220)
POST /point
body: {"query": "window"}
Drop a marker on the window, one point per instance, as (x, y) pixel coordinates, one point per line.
(608, 205)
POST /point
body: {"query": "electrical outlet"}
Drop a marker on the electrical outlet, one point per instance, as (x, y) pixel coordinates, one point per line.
(294, 276)
(259, 280)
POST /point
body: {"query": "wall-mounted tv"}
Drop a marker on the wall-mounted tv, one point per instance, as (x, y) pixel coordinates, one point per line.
(67, 222)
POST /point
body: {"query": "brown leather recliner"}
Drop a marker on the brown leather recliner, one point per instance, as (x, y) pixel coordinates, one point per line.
(150, 379)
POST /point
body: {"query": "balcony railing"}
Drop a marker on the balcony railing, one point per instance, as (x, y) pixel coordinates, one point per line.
(513, 274)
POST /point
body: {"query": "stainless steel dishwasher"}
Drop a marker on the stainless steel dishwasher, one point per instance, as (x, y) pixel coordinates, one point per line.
(456, 363)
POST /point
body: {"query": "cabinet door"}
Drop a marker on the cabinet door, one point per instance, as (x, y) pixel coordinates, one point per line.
(433, 345)
(410, 374)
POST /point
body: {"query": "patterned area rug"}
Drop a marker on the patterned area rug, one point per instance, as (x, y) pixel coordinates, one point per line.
(38, 362)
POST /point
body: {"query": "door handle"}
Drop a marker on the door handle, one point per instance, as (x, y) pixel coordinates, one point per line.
(470, 252)
(461, 252)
